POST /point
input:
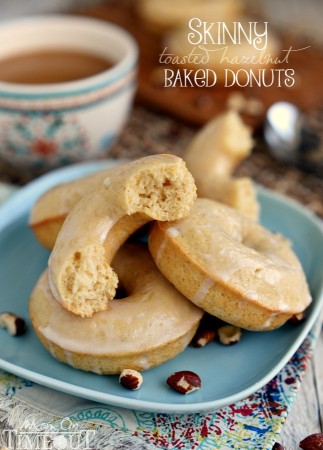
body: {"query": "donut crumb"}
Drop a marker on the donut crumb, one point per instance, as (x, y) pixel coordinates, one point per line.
(165, 195)
(89, 282)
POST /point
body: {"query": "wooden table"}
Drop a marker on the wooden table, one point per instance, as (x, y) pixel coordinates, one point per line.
(306, 415)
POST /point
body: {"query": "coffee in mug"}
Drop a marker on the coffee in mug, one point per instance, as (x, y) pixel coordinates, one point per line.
(51, 66)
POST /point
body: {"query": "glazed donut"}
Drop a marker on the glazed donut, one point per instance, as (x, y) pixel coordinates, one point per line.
(151, 325)
(152, 188)
(212, 156)
(231, 266)
(160, 16)
(50, 210)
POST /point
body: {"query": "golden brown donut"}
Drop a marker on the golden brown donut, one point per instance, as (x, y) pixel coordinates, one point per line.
(212, 156)
(152, 188)
(231, 266)
(151, 325)
(50, 210)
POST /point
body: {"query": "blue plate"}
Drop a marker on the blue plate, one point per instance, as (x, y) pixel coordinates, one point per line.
(228, 373)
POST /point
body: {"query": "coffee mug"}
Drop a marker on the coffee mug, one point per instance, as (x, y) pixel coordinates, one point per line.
(43, 126)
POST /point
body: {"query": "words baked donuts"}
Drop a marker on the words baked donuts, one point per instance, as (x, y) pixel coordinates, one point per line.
(79, 272)
(152, 324)
(231, 266)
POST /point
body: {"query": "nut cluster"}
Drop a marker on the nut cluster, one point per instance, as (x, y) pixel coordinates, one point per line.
(208, 332)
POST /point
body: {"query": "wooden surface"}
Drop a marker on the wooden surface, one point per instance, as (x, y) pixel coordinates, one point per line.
(305, 416)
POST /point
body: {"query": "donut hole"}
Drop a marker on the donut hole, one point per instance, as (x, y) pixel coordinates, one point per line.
(121, 292)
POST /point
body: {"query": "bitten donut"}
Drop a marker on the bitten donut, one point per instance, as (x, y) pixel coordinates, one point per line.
(231, 266)
(152, 324)
(152, 188)
(50, 210)
(212, 156)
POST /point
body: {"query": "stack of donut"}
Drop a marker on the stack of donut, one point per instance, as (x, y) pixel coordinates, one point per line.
(201, 256)
(73, 306)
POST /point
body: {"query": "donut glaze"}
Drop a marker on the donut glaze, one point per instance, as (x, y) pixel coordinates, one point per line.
(50, 210)
(152, 324)
(231, 266)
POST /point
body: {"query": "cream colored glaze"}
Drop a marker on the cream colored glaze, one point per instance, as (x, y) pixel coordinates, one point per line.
(153, 314)
(69, 358)
(161, 250)
(203, 290)
(266, 271)
(173, 232)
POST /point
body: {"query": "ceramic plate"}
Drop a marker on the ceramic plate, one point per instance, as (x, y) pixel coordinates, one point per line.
(228, 373)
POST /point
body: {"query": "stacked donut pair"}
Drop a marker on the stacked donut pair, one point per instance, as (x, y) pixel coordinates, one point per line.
(73, 306)
(203, 256)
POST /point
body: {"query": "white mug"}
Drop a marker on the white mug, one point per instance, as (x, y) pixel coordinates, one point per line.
(49, 125)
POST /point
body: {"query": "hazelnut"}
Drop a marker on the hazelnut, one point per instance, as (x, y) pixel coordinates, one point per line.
(16, 326)
(184, 381)
(229, 334)
(278, 446)
(203, 337)
(312, 442)
(131, 379)
(297, 318)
